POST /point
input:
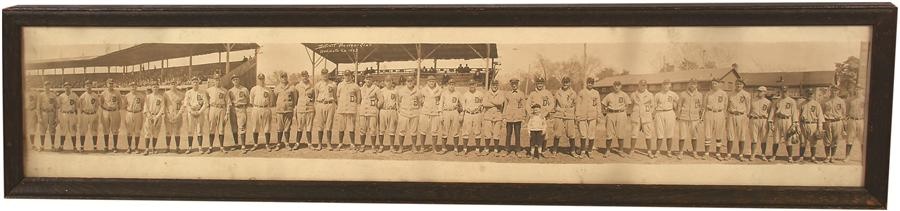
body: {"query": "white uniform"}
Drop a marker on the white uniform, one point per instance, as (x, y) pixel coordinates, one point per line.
(154, 114)
(134, 118)
(68, 107)
(260, 114)
(89, 105)
(195, 106)
(665, 114)
(240, 100)
(174, 114)
(218, 103)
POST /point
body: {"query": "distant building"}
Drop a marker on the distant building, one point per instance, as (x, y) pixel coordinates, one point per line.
(679, 80)
(796, 81)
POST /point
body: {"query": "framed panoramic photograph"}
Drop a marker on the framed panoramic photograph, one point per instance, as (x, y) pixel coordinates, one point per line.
(734, 105)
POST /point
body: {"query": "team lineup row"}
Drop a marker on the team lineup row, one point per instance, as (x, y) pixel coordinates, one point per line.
(328, 113)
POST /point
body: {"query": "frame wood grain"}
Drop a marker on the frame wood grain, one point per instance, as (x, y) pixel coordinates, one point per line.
(882, 17)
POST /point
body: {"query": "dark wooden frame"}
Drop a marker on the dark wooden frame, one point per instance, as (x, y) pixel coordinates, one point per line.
(880, 16)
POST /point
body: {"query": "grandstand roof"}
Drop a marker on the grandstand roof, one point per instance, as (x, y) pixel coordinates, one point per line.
(369, 52)
(138, 54)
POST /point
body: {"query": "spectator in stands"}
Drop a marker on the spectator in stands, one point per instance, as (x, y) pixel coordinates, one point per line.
(467, 69)
(459, 69)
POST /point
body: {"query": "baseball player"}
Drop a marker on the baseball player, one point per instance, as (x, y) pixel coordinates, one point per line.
(303, 112)
(219, 101)
(737, 122)
(430, 115)
(544, 98)
(387, 115)
(587, 112)
(195, 107)
(325, 93)
(134, 119)
(451, 119)
(472, 104)
(515, 109)
(784, 117)
(240, 100)
(367, 119)
(88, 104)
(285, 102)
(154, 112)
(856, 113)
(642, 118)
(174, 116)
(760, 109)
(716, 101)
(564, 117)
(493, 121)
(48, 106)
(345, 119)
(68, 109)
(614, 105)
(812, 120)
(261, 100)
(690, 115)
(111, 102)
(31, 115)
(409, 100)
(835, 111)
(664, 115)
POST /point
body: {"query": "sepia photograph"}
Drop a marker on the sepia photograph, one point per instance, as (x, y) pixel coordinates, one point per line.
(704, 105)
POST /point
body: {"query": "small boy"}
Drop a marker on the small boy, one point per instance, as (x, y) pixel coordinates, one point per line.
(536, 125)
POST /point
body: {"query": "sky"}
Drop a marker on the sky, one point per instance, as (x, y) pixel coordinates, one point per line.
(637, 49)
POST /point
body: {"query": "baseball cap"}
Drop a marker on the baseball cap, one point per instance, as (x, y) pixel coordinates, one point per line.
(514, 81)
(617, 83)
(590, 80)
(495, 82)
(566, 80)
(642, 82)
(539, 80)
(667, 81)
(762, 89)
(304, 74)
(67, 84)
(261, 76)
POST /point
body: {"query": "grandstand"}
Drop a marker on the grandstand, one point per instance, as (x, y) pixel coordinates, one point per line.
(133, 65)
(356, 53)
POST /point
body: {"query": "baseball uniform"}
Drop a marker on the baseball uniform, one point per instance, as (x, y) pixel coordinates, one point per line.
(31, 115)
(285, 101)
(715, 116)
(587, 112)
(690, 112)
(472, 104)
(738, 122)
(89, 105)
(642, 115)
(48, 107)
(240, 100)
(429, 115)
(154, 112)
(174, 115)
(811, 121)
(451, 119)
(303, 112)
(325, 93)
(407, 117)
(196, 105)
(367, 123)
(387, 116)
(261, 100)
(835, 110)
(664, 116)
(134, 118)
(616, 118)
(759, 116)
(68, 107)
(219, 101)
(785, 114)
(111, 102)
(492, 122)
(347, 103)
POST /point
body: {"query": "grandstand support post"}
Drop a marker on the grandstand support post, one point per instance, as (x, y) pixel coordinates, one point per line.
(228, 47)
(419, 60)
(356, 65)
(487, 66)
